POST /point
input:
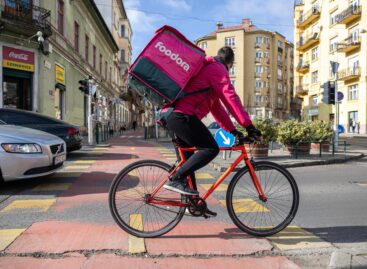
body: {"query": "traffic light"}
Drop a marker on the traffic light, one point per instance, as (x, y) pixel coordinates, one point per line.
(84, 86)
(328, 93)
(332, 92)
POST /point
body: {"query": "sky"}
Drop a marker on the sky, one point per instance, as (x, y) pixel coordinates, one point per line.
(197, 18)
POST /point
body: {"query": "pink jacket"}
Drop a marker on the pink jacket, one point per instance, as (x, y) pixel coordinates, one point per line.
(214, 75)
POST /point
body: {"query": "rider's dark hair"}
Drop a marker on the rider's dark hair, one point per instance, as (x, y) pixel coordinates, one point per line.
(226, 55)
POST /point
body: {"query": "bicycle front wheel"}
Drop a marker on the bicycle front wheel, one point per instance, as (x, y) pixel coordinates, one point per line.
(254, 216)
(128, 200)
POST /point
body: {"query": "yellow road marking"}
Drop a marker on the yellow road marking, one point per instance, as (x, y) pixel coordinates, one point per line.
(7, 236)
(52, 187)
(221, 187)
(136, 245)
(70, 167)
(41, 205)
(171, 159)
(169, 155)
(203, 176)
(246, 205)
(294, 237)
(85, 161)
(68, 174)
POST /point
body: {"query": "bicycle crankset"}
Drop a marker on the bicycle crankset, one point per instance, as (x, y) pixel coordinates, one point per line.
(197, 206)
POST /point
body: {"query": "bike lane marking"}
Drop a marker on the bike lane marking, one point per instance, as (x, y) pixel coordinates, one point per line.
(295, 237)
(52, 187)
(7, 236)
(36, 205)
(136, 244)
(221, 187)
(203, 176)
(245, 205)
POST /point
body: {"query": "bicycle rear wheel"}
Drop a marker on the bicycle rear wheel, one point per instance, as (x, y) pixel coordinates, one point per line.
(254, 216)
(129, 206)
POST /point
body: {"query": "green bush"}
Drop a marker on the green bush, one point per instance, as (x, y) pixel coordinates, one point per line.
(266, 126)
(321, 131)
(292, 132)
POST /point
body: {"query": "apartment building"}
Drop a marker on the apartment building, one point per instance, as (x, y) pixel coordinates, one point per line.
(263, 70)
(331, 31)
(114, 14)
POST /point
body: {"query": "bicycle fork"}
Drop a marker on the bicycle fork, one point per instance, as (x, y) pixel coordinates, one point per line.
(255, 180)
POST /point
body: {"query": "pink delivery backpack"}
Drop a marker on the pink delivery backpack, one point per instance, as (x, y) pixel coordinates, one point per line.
(165, 66)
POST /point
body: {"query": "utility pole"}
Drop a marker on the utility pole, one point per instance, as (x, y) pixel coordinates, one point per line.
(334, 68)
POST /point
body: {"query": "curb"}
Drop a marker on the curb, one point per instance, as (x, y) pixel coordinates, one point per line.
(340, 260)
(222, 168)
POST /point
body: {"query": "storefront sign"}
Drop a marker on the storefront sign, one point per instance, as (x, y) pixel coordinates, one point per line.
(18, 59)
(313, 112)
(60, 74)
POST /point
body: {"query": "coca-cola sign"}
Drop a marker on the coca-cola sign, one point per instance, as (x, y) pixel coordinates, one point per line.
(18, 55)
(18, 59)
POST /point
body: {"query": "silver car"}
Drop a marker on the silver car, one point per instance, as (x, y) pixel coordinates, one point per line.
(28, 153)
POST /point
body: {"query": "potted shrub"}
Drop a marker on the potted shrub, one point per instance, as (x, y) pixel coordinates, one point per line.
(268, 132)
(295, 136)
(321, 133)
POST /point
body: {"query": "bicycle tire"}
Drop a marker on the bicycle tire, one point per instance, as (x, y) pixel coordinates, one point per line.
(253, 206)
(129, 182)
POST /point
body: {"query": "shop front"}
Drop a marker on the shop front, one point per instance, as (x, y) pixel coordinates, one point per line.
(59, 97)
(18, 67)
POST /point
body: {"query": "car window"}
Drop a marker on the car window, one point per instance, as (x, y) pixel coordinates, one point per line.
(20, 118)
(213, 125)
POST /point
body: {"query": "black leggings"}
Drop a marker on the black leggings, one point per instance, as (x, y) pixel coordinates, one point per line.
(191, 132)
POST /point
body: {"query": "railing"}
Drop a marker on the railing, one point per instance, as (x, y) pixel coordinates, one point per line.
(26, 15)
(306, 39)
(351, 10)
(302, 89)
(303, 65)
(349, 43)
(349, 73)
(315, 10)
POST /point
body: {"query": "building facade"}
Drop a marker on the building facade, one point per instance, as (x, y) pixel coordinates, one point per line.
(330, 31)
(114, 14)
(41, 72)
(263, 70)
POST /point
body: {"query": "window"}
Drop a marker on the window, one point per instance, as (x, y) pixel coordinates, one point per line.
(232, 71)
(280, 87)
(353, 92)
(233, 82)
(105, 69)
(257, 100)
(266, 54)
(334, 18)
(122, 56)
(259, 54)
(333, 44)
(259, 40)
(280, 102)
(229, 41)
(87, 48)
(315, 77)
(354, 34)
(280, 44)
(203, 45)
(280, 75)
(100, 63)
(259, 69)
(94, 56)
(122, 30)
(110, 74)
(258, 84)
(315, 53)
(314, 100)
(267, 40)
(60, 16)
(76, 36)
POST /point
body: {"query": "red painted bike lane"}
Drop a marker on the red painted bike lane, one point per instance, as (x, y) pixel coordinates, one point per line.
(97, 242)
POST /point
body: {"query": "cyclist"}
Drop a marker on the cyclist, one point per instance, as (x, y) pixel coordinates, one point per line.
(185, 118)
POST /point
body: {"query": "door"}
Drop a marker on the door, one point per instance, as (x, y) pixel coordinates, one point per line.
(17, 93)
(353, 121)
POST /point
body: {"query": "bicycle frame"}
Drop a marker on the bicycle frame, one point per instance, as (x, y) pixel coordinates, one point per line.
(243, 156)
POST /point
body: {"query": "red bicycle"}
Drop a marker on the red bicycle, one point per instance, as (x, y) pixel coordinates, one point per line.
(262, 197)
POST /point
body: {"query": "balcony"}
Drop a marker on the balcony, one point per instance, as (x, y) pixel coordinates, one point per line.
(302, 90)
(309, 17)
(308, 41)
(351, 14)
(303, 67)
(349, 74)
(257, 60)
(24, 18)
(350, 44)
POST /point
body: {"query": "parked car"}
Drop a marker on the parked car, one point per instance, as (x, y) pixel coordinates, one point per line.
(28, 153)
(68, 132)
(213, 128)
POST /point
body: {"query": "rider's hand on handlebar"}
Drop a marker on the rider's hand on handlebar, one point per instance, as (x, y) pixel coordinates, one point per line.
(237, 134)
(254, 133)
